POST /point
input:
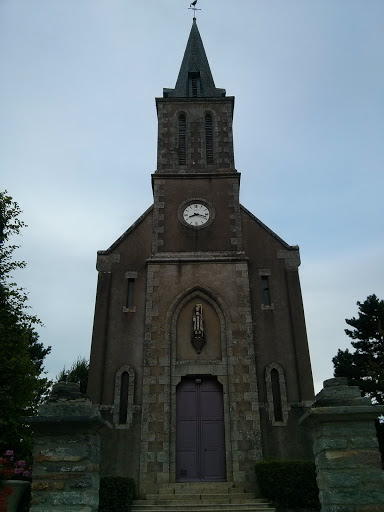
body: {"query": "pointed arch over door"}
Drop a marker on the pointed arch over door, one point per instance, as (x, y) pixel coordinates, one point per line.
(200, 439)
(200, 366)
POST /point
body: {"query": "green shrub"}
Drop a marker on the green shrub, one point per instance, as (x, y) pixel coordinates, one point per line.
(116, 494)
(288, 483)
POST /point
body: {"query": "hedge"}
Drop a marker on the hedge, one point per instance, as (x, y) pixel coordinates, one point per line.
(116, 494)
(289, 483)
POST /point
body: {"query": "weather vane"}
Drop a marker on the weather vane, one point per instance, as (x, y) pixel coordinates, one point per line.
(193, 7)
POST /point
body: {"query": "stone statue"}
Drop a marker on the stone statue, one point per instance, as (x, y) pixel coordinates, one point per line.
(198, 337)
(198, 322)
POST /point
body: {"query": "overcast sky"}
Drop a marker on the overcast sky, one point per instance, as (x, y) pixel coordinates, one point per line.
(78, 133)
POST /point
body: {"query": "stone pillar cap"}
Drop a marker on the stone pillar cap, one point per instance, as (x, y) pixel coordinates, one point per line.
(336, 392)
(62, 391)
(339, 402)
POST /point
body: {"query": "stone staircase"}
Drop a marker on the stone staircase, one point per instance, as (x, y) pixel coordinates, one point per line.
(201, 497)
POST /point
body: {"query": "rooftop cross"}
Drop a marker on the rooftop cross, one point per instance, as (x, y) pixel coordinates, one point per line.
(193, 7)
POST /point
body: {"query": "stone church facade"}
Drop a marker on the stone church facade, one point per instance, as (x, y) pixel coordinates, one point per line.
(199, 354)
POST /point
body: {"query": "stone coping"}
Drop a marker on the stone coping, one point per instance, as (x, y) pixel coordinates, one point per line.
(342, 413)
(43, 423)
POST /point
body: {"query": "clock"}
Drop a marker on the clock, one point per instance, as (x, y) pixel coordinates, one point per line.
(196, 214)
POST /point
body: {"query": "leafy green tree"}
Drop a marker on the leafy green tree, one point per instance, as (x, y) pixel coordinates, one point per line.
(365, 366)
(22, 381)
(78, 373)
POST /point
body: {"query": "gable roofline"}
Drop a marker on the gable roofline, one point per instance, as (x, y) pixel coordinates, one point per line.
(127, 232)
(287, 246)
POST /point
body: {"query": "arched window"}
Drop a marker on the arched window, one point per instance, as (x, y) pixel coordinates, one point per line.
(123, 407)
(182, 140)
(276, 394)
(209, 139)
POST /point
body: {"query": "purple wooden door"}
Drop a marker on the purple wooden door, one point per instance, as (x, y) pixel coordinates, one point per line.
(200, 443)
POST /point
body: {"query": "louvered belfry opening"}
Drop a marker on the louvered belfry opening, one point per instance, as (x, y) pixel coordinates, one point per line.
(194, 84)
(182, 146)
(194, 87)
(208, 139)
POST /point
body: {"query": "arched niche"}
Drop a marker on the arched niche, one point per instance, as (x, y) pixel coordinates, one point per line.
(185, 348)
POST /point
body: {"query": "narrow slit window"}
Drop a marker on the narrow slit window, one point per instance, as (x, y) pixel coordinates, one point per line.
(276, 394)
(209, 139)
(123, 409)
(131, 293)
(182, 139)
(265, 290)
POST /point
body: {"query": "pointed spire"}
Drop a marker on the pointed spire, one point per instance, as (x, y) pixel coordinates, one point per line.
(195, 77)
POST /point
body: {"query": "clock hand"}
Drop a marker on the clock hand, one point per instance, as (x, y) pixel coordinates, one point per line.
(198, 214)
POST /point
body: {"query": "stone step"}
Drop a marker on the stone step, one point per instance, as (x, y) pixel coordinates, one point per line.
(200, 488)
(206, 496)
(207, 504)
(201, 497)
(201, 507)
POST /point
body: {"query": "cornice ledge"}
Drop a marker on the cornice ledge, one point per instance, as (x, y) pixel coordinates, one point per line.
(188, 174)
(216, 257)
(291, 257)
(105, 261)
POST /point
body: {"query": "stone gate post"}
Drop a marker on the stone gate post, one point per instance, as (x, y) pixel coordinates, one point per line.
(66, 455)
(349, 472)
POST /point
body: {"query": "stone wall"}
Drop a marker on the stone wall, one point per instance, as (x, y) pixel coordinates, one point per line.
(67, 453)
(349, 472)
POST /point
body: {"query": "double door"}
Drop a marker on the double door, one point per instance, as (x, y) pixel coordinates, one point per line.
(200, 442)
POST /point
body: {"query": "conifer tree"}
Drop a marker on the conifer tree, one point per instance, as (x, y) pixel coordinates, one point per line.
(77, 373)
(365, 366)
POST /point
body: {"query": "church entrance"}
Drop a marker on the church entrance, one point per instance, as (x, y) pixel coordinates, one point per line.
(200, 442)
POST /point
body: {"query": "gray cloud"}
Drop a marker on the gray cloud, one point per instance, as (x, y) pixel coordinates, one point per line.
(79, 135)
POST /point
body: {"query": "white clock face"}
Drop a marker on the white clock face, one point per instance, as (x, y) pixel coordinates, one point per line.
(196, 214)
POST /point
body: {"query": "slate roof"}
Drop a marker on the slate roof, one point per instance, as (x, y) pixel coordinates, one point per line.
(194, 64)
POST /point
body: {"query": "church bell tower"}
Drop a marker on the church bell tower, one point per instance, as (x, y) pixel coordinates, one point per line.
(199, 354)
